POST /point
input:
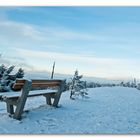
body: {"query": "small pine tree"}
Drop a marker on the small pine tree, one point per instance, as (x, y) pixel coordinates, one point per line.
(122, 84)
(20, 73)
(6, 80)
(77, 87)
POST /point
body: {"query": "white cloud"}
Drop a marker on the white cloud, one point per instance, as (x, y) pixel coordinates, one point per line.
(101, 67)
(16, 61)
(74, 57)
(18, 31)
(65, 33)
(65, 57)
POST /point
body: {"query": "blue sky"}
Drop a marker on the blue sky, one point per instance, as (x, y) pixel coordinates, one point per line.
(98, 41)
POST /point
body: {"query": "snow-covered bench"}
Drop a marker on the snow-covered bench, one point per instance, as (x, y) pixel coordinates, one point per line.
(22, 89)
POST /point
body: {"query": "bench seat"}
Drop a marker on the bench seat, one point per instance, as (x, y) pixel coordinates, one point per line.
(16, 94)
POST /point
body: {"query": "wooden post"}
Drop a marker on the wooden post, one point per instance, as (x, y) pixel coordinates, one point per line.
(48, 99)
(53, 70)
(22, 99)
(10, 108)
(58, 94)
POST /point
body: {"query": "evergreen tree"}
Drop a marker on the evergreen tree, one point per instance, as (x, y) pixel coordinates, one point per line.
(6, 80)
(20, 73)
(77, 87)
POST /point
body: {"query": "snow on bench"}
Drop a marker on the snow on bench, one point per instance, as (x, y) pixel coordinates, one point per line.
(32, 93)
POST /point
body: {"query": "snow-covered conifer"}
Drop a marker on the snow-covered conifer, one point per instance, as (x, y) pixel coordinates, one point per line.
(77, 87)
(20, 73)
(6, 80)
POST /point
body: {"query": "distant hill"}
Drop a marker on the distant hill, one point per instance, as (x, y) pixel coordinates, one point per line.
(47, 75)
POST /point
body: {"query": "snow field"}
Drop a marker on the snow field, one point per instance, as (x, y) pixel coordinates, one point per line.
(109, 110)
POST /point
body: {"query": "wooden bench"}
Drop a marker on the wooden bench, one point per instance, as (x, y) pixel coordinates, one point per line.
(22, 89)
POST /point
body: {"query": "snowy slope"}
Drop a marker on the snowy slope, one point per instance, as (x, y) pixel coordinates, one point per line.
(109, 110)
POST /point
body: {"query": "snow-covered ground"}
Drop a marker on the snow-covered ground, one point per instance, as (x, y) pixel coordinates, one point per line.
(109, 110)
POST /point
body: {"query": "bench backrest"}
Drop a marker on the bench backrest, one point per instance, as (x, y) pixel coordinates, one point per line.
(18, 85)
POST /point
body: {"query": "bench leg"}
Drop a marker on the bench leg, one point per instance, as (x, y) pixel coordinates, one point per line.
(22, 100)
(48, 100)
(58, 94)
(56, 100)
(10, 108)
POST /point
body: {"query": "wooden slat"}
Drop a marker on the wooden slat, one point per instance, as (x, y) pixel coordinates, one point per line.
(47, 84)
(17, 87)
(20, 81)
(37, 83)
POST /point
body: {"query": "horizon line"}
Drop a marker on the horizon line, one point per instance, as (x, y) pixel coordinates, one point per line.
(86, 76)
